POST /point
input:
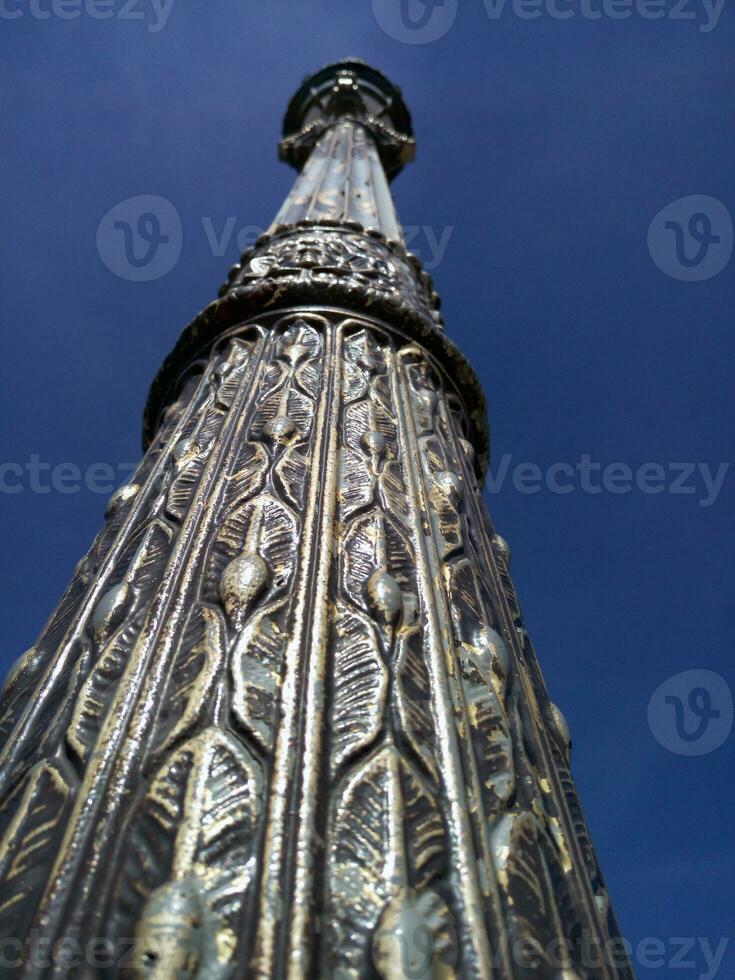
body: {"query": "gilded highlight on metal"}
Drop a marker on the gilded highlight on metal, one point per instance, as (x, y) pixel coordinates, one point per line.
(286, 720)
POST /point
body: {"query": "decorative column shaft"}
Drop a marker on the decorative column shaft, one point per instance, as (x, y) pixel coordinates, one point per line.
(286, 720)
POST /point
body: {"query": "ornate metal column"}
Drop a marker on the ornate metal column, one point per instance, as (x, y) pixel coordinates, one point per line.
(286, 720)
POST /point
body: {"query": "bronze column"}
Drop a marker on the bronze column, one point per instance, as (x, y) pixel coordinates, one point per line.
(286, 720)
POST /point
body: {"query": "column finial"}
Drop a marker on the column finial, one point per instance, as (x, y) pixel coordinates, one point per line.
(348, 89)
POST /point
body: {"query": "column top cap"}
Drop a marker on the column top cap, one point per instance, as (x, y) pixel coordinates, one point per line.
(348, 89)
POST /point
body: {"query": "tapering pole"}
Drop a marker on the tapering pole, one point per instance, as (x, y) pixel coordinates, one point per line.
(286, 720)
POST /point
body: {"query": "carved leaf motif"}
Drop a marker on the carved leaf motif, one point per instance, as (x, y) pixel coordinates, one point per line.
(535, 792)
(363, 349)
(115, 625)
(445, 520)
(248, 473)
(355, 482)
(60, 620)
(484, 663)
(274, 378)
(257, 665)
(289, 403)
(354, 382)
(309, 376)
(199, 661)
(190, 859)
(356, 424)
(290, 476)
(387, 836)
(534, 916)
(29, 846)
(300, 339)
(361, 418)
(509, 589)
(151, 551)
(207, 428)
(380, 392)
(98, 690)
(360, 684)
(374, 541)
(40, 734)
(183, 488)
(445, 488)
(423, 406)
(434, 456)
(228, 387)
(231, 371)
(122, 499)
(263, 526)
(413, 696)
(20, 683)
(393, 494)
(470, 625)
(191, 455)
(117, 512)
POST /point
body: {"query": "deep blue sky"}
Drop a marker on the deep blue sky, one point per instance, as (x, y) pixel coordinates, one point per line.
(546, 148)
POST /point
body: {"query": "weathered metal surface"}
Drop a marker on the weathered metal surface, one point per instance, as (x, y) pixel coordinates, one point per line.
(286, 720)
